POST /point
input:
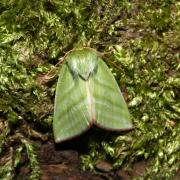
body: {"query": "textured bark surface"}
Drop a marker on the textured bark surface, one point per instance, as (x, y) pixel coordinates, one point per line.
(57, 163)
(63, 161)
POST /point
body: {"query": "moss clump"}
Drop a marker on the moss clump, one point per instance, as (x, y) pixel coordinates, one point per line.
(141, 41)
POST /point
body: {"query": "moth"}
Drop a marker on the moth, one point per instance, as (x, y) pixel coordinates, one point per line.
(87, 94)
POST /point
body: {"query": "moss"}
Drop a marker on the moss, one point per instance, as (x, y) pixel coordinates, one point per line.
(140, 40)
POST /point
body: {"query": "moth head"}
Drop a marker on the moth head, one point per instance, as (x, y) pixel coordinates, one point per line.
(82, 63)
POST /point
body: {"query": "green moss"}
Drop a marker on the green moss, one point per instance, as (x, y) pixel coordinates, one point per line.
(140, 40)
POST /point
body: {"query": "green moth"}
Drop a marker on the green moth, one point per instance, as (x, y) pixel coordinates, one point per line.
(87, 94)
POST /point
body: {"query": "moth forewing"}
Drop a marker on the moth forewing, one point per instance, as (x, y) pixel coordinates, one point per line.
(111, 110)
(70, 112)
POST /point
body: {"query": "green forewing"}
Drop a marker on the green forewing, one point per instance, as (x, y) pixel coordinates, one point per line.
(87, 94)
(70, 114)
(110, 107)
